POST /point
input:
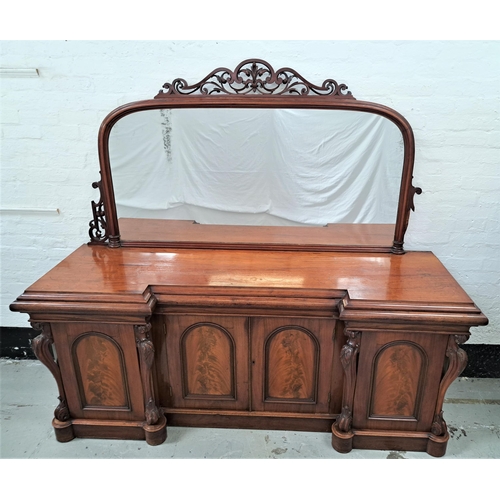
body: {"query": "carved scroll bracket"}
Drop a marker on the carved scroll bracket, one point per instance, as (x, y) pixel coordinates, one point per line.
(457, 361)
(42, 348)
(146, 358)
(98, 231)
(348, 358)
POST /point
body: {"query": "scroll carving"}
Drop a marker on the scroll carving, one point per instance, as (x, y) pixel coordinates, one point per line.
(457, 361)
(146, 359)
(348, 358)
(98, 231)
(42, 348)
(412, 191)
(255, 76)
(411, 205)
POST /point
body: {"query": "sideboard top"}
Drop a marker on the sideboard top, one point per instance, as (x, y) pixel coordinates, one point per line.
(97, 283)
(413, 277)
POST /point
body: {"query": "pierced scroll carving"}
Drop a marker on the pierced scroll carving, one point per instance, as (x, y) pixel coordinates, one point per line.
(98, 231)
(42, 348)
(146, 359)
(255, 76)
(457, 361)
(348, 358)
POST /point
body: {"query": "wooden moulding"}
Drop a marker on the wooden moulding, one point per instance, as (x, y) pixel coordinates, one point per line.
(155, 233)
(303, 422)
(247, 301)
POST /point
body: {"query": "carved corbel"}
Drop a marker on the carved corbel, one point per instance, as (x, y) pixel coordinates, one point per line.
(348, 358)
(146, 359)
(457, 361)
(42, 348)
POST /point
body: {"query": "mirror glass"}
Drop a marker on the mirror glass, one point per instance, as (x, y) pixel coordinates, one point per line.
(257, 166)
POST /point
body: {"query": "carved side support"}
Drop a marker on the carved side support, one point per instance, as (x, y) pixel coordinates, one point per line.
(348, 358)
(397, 246)
(457, 362)
(98, 229)
(42, 348)
(146, 358)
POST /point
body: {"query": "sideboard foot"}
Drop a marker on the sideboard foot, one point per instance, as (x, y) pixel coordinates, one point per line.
(344, 442)
(157, 433)
(64, 430)
(341, 441)
(436, 446)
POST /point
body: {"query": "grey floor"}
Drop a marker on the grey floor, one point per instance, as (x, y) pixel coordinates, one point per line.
(28, 398)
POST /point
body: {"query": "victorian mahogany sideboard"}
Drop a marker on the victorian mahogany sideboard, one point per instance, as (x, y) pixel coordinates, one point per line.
(319, 328)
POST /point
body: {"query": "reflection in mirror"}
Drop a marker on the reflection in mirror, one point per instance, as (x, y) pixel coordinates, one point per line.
(257, 166)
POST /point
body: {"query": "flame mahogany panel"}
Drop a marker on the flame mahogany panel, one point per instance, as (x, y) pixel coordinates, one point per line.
(207, 352)
(101, 370)
(207, 362)
(397, 371)
(291, 365)
(292, 360)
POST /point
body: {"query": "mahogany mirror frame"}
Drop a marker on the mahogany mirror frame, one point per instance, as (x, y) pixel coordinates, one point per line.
(253, 84)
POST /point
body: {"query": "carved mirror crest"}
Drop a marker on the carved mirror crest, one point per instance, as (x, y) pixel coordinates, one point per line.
(254, 147)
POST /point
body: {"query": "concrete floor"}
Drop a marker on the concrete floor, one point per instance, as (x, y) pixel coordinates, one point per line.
(28, 398)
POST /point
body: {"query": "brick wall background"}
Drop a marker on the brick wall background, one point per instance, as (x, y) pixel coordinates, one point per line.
(448, 91)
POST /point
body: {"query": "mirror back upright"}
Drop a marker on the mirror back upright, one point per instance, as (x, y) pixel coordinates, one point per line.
(307, 167)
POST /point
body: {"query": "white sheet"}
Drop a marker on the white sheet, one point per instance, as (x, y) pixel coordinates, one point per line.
(257, 166)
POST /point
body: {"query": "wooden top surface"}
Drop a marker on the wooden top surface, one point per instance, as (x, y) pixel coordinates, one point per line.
(412, 277)
(181, 233)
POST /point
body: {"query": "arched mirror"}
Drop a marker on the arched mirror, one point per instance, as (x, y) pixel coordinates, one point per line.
(258, 159)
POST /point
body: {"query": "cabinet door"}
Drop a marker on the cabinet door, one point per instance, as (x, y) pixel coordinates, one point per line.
(292, 364)
(398, 380)
(100, 370)
(207, 359)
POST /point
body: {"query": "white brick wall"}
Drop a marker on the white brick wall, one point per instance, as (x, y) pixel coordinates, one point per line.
(448, 91)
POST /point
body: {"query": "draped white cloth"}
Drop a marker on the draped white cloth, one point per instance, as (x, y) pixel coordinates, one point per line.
(257, 166)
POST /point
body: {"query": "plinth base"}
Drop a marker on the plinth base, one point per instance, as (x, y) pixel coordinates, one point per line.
(344, 442)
